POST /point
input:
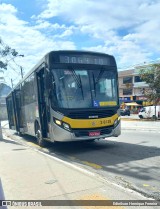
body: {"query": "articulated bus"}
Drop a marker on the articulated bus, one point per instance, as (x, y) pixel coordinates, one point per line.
(67, 96)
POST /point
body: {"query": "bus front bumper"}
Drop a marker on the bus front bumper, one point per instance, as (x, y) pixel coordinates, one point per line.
(63, 135)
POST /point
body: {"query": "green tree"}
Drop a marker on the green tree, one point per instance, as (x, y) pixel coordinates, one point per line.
(151, 75)
(6, 53)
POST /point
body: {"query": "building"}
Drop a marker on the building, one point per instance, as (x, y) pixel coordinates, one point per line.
(132, 88)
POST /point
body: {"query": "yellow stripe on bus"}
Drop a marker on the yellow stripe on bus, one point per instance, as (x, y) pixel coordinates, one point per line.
(90, 123)
(108, 103)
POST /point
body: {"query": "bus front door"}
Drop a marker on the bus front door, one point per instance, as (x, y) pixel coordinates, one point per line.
(42, 103)
(18, 110)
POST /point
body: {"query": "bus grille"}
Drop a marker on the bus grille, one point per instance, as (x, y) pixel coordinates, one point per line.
(89, 114)
(84, 132)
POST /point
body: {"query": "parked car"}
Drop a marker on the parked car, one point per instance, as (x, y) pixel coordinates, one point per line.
(124, 112)
(149, 112)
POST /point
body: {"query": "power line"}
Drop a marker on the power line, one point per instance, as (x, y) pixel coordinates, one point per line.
(21, 68)
(14, 69)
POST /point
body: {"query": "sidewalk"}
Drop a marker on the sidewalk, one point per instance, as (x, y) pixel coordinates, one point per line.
(141, 125)
(131, 117)
(28, 174)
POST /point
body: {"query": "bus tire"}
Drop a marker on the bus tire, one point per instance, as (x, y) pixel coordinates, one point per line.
(39, 136)
(19, 133)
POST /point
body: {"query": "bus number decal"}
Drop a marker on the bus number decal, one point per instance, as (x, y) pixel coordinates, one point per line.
(103, 122)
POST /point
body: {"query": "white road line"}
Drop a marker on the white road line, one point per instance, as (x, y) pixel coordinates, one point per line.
(67, 163)
(57, 159)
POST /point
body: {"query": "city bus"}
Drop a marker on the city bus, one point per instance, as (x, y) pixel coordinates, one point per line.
(67, 96)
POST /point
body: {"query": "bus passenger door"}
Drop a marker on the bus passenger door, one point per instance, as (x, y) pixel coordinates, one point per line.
(42, 102)
(18, 110)
(10, 111)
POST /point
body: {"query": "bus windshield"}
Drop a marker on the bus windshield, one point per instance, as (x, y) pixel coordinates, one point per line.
(83, 88)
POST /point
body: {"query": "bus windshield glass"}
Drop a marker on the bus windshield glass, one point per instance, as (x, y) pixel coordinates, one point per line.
(83, 88)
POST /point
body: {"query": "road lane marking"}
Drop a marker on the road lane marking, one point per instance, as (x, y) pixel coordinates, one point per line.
(32, 144)
(66, 163)
(97, 197)
(93, 165)
(146, 185)
(34, 147)
(153, 188)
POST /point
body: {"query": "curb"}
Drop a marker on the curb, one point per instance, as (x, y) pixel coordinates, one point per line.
(141, 129)
(139, 120)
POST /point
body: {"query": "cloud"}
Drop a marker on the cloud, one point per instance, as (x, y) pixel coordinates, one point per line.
(23, 36)
(58, 31)
(28, 39)
(127, 29)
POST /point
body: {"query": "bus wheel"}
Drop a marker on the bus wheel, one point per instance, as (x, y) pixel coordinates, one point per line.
(39, 137)
(19, 133)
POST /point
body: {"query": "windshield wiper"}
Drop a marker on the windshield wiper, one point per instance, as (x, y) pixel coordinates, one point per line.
(99, 76)
(95, 81)
(77, 78)
(81, 86)
(94, 84)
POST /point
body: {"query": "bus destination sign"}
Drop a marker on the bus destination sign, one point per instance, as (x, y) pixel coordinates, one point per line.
(85, 59)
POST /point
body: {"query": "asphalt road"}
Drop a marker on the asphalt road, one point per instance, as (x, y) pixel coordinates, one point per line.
(131, 160)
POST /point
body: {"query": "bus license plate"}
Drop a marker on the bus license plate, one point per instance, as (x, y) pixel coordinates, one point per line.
(95, 133)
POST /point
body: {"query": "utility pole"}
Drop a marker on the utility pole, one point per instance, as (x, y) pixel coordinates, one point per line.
(12, 83)
(21, 71)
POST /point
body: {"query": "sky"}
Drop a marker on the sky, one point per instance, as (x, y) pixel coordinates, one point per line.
(128, 30)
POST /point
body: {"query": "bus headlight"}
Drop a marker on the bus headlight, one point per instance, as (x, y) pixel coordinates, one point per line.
(63, 125)
(66, 126)
(116, 122)
(58, 122)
